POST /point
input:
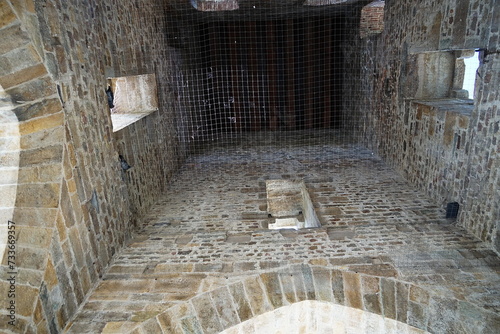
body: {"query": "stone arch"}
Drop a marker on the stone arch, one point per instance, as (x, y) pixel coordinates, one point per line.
(9, 166)
(31, 104)
(227, 306)
(312, 316)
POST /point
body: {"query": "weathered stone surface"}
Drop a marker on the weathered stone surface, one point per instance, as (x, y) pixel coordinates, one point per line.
(258, 300)
(273, 289)
(40, 124)
(26, 297)
(401, 301)
(14, 38)
(46, 155)
(207, 314)
(388, 294)
(352, 290)
(7, 16)
(448, 155)
(42, 108)
(226, 312)
(323, 284)
(338, 287)
(38, 195)
(241, 302)
(32, 90)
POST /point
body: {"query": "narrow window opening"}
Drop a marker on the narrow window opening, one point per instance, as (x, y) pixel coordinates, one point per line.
(131, 98)
(471, 66)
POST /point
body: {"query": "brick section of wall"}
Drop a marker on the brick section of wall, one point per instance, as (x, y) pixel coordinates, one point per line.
(372, 19)
(383, 72)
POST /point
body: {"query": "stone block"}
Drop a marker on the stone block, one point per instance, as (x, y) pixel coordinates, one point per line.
(338, 287)
(173, 267)
(32, 90)
(34, 236)
(244, 266)
(113, 327)
(300, 289)
(166, 323)
(50, 276)
(402, 291)
(66, 206)
(226, 311)
(256, 296)
(9, 143)
(272, 285)
(45, 107)
(31, 216)
(308, 282)
(46, 155)
(323, 283)
(241, 303)
(38, 195)
(287, 285)
(20, 326)
(29, 258)
(419, 295)
(371, 294)
(151, 326)
(23, 75)
(26, 296)
(43, 123)
(178, 283)
(8, 197)
(417, 315)
(43, 138)
(29, 276)
(352, 290)
(13, 36)
(443, 315)
(191, 325)
(9, 159)
(18, 59)
(388, 296)
(207, 314)
(7, 16)
(76, 246)
(120, 287)
(381, 270)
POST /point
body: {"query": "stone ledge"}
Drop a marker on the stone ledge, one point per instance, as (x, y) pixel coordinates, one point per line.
(460, 106)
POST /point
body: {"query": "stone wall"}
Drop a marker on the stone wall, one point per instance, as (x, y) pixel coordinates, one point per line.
(74, 205)
(450, 151)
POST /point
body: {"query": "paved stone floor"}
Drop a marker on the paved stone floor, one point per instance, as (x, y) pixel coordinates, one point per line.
(210, 229)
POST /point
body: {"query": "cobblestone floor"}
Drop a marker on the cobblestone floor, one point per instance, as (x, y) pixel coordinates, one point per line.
(210, 229)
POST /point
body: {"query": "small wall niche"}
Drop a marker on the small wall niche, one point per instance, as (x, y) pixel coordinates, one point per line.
(290, 204)
(131, 98)
(447, 74)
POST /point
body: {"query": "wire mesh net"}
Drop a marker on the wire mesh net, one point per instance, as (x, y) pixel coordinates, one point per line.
(264, 75)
